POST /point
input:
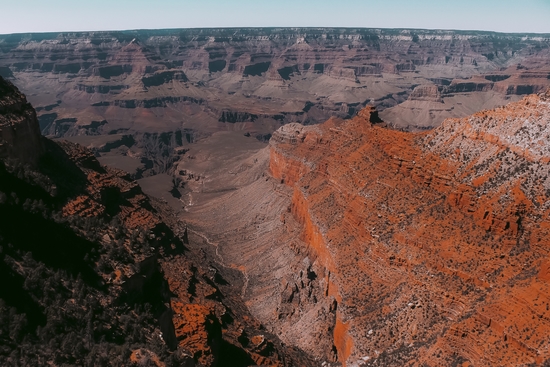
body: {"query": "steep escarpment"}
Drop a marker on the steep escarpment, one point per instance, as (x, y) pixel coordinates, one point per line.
(19, 133)
(434, 242)
(97, 273)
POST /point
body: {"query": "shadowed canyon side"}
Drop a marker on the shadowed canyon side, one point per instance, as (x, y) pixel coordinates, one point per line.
(97, 273)
(400, 248)
(19, 132)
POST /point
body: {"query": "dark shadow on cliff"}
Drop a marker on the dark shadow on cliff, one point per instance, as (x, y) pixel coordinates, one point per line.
(62, 171)
(54, 244)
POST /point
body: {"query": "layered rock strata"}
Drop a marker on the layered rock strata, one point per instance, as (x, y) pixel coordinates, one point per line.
(158, 79)
(433, 243)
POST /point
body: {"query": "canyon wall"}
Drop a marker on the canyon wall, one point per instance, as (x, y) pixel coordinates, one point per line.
(19, 132)
(259, 78)
(434, 241)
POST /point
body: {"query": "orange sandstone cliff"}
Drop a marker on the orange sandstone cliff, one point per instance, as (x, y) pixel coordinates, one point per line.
(433, 244)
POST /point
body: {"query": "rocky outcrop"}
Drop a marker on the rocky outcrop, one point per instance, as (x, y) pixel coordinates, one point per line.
(513, 81)
(101, 89)
(159, 102)
(434, 242)
(462, 96)
(469, 86)
(428, 93)
(19, 132)
(163, 77)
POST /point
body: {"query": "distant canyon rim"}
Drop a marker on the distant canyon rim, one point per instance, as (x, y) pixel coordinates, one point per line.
(374, 215)
(140, 99)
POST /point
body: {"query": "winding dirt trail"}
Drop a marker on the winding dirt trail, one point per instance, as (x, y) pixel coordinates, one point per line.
(222, 262)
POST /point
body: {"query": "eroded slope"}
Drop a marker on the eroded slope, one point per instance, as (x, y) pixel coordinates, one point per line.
(97, 273)
(435, 242)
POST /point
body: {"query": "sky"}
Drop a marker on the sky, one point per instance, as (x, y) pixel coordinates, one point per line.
(519, 16)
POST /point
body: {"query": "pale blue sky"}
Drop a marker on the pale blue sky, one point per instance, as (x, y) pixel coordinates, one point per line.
(22, 16)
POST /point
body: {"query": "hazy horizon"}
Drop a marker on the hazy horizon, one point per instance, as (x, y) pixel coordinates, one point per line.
(37, 16)
(267, 27)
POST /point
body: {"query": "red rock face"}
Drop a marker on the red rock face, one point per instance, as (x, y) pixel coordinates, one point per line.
(435, 242)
